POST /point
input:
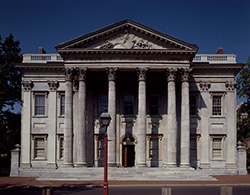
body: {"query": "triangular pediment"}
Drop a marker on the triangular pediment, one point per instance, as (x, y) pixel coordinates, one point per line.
(126, 35)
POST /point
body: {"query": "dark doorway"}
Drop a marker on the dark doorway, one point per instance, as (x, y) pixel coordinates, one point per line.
(128, 154)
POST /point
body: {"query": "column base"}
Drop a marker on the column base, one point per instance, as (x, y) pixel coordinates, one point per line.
(141, 165)
(184, 165)
(171, 165)
(204, 165)
(111, 164)
(25, 165)
(52, 165)
(67, 165)
(81, 165)
(231, 166)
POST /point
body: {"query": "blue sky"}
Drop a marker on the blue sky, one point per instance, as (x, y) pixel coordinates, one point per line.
(208, 23)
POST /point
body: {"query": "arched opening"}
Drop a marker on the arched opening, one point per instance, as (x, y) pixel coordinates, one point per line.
(128, 151)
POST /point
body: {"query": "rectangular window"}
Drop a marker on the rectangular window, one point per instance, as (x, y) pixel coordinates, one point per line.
(154, 149)
(62, 105)
(101, 149)
(39, 148)
(197, 58)
(193, 105)
(129, 105)
(45, 58)
(61, 147)
(102, 104)
(193, 148)
(216, 108)
(154, 105)
(217, 148)
(40, 105)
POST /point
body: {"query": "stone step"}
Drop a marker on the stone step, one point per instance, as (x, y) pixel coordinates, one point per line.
(152, 174)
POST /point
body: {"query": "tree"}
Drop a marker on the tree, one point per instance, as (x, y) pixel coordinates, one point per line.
(10, 78)
(243, 113)
(10, 93)
(243, 82)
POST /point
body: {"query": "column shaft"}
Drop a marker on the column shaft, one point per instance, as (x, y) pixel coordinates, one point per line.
(68, 120)
(141, 135)
(81, 136)
(185, 120)
(111, 72)
(172, 123)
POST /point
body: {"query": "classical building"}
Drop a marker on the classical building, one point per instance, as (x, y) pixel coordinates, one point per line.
(170, 107)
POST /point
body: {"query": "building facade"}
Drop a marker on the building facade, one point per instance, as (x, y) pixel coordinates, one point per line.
(170, 107)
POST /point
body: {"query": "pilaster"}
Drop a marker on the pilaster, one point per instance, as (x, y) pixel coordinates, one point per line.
(231, 125)
(26, 124)
(205, 146)
(52, 122)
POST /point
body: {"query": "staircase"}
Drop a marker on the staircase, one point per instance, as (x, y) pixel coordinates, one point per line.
(136, 174)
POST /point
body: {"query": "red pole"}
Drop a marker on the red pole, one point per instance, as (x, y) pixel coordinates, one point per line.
(105, 184)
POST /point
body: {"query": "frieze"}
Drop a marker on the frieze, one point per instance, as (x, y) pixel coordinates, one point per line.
(111, 72)
(230, 86)
(205, 85)
(27, 85)
(142, 73)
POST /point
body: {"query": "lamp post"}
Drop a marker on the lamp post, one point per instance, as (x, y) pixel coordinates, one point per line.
(104, 121)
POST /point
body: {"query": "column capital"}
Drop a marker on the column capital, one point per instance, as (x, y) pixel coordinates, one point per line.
(171, 74)
(53, 85)
(205, 85)
(68, 73)
(185, 74)
(111, 72)
(230, 85)
(27, 85)
(141, 72)
(82, 73)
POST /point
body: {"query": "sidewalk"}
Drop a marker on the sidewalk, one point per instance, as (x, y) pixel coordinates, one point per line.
(31, 182)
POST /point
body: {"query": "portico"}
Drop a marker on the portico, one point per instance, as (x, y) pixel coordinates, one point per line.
(139, 124)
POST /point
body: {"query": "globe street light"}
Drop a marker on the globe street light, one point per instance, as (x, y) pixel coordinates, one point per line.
(104, 121)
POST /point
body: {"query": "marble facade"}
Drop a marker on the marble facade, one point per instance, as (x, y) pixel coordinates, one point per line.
(167, 109)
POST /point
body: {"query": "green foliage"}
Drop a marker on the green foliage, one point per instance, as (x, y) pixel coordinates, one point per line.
(10, 77)
(243, 82)
(10, 93)
(243, 113)
(243, 122)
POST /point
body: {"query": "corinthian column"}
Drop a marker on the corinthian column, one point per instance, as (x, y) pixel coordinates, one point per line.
(172, 123)
(68, 120)
(185, 119)
(81, 135)
(141, 135)
(111, 72)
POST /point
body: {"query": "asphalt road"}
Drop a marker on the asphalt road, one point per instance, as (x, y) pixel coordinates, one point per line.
(125, 190)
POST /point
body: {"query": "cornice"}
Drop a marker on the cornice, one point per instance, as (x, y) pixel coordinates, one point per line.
(124, 51)
(39, 66)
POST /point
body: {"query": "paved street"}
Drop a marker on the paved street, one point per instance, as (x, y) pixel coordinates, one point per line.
(126, 190)
(30, 186)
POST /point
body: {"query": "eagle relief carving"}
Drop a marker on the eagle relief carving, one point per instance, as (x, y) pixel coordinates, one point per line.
(128, 41)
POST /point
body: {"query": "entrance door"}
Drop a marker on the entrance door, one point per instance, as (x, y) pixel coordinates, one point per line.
(128, 156)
